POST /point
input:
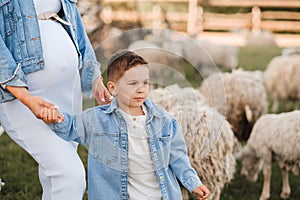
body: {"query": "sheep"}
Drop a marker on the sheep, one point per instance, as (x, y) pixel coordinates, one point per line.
(262, 38)
(206, 56)
(210, 143)
(274, 137)
(202, 54)
(290, 51)
(114, 39)
(281, 79)
(173, 95)
(165, 66)
(240, 96)
(209, 138)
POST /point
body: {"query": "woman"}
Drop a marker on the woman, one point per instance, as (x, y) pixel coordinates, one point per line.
(46, 60)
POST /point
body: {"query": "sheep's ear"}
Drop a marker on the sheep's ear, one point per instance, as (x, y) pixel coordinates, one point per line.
(239, 155)
(249, 113)
(244, 152)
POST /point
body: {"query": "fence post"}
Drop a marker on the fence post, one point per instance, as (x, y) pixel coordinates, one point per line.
(156, 12)
(192, 17)
(200, 19)
(106, 15)
(256, 20)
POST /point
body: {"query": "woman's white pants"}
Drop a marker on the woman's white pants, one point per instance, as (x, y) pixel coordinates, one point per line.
(61, 171)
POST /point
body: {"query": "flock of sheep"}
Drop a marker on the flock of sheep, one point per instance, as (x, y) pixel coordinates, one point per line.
(241, 97)
(226, 117)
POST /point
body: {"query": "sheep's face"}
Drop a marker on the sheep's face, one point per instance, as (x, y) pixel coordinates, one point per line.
(251, 165)
(251, 168)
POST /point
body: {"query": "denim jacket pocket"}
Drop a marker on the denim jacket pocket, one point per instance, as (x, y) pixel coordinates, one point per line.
(104, 147)
(165, 146)
(9, 17)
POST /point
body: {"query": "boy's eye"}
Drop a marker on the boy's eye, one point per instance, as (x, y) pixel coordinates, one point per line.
(131, 83)
(146, 83)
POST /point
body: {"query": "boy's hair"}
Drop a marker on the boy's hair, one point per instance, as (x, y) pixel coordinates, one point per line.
(122, 61)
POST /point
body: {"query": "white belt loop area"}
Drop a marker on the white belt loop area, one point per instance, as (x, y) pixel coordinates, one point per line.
(52, 16)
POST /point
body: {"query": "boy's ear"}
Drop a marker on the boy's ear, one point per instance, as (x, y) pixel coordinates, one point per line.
(111, 86)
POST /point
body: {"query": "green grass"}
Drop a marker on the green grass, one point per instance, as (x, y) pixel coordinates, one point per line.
(257, 57)
(19, 171)
(241, 189)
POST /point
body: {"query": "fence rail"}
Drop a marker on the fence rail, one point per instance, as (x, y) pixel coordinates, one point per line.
(196, 20)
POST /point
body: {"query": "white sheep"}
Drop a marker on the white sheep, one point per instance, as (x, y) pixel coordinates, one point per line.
(204, 55)
(274, 137)
(207, 57)
(174, 95)
(282, 79)
(209, 138)
(240, 96)
(262, 38)
(290, 51)
(165, 66)
(113, 39)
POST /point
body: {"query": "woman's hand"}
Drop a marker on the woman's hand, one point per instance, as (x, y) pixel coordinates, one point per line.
(202, 192)
(100, 92)
(34, 103)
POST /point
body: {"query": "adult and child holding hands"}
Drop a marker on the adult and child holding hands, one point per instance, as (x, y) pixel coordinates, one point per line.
(136, 149)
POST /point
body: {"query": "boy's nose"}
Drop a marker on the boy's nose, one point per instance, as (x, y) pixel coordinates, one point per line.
(141, 88)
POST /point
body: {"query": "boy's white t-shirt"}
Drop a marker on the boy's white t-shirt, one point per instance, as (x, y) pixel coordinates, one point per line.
(142, 181)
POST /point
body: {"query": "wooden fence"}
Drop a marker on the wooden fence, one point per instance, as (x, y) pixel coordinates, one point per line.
(260, 15)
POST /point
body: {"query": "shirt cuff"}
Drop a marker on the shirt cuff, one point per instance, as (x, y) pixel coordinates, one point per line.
(96, 74)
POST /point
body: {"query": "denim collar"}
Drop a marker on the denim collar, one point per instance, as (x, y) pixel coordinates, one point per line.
(152, 109)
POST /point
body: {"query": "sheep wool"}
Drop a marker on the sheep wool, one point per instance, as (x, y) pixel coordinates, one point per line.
(274, 137)
(174, 95)
(165, 65)
(209, 138)
(210, 142)
(240, 96)
(282, 78)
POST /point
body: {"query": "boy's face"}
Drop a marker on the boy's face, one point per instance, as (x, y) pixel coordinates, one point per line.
(132, 89)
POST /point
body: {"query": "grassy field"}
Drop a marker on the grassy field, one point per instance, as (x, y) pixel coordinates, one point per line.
(19, 171)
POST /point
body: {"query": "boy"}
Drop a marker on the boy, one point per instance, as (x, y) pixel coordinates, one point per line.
(136, 149)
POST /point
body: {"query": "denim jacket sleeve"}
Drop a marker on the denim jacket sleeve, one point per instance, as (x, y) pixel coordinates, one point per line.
(71, 129)
(90, 66)
(180, 162)
(10, 72)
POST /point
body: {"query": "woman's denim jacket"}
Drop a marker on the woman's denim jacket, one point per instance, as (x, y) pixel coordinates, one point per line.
(103, 130)
(21, 50)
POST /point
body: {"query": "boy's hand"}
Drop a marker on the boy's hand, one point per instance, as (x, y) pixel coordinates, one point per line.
(202, 192)
(51, 116)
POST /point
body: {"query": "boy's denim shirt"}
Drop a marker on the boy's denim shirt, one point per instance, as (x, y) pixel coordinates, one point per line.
(21, 50)
(103, 130)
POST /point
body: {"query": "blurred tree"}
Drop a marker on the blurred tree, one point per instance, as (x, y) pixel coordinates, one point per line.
(90, 11)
